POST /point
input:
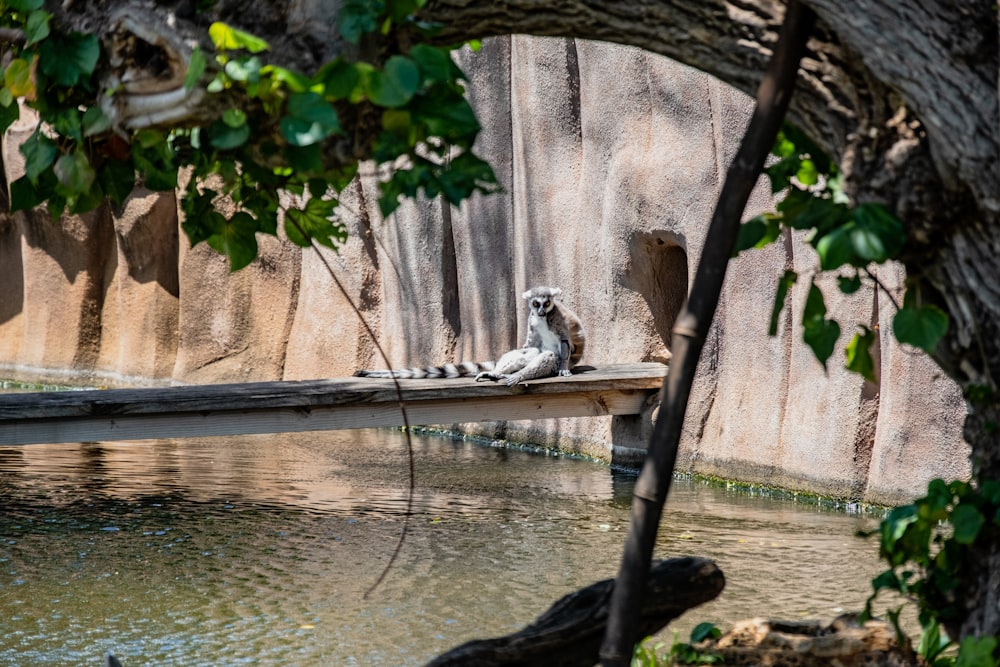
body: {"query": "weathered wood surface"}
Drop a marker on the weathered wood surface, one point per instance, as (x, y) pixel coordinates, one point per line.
(569, 634)
(315, 405)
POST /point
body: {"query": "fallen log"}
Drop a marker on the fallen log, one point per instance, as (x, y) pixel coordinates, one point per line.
(569, 634)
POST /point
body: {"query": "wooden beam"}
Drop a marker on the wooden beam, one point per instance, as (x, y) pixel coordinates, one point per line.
(315, 405)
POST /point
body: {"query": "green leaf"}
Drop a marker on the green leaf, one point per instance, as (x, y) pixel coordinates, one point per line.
(8, 114)
(236, 238)
(704, 631)
(803, 145)
(886, 581)
(228, 38)
(849, 284)
(920, 326)
(780, 296)
(396, 84)
(117, 179)
(305, 160)
(19, 79)
(931, 642)
(859, 357)
(70, 59)
(435, 63)
(821, 336)
(877, 220)
(462, 176)
(234, 117)
(358, 17)
(313, 222)
(67, 122)
(447, 114)
(867, 245)
(296, 83)
(340, 79)
(893, 528)
(223, 136)
(401, 9)
(24, 196)
(95, 121)
(310, 120)
(819, 333)
(835, 249)
(37, 27)
(246, 70)
(967, 521)
(196, 69)
(807, 174)
(750, 233)
(154, 159)
(802, 210)
(74, 172)
(990, 490)
(757, 232)
(39, 153)
(977, 652)
(24, 5)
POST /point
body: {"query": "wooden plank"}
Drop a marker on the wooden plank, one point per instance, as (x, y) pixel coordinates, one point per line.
(272, 407)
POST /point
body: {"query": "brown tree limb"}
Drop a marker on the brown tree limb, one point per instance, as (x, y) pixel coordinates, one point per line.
(690, 331)
(569, 633)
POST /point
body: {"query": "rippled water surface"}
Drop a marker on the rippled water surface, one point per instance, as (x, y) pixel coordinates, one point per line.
(259, 550)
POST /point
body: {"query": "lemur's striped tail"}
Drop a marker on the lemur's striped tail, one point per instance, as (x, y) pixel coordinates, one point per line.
(463, 369)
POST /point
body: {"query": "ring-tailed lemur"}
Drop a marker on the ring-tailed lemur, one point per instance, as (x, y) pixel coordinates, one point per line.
(554, 344)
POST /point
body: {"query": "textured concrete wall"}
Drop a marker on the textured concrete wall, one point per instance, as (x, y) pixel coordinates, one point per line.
(611, 160)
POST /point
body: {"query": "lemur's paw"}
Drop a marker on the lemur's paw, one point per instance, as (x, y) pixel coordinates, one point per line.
(565, 373)
(510, 380)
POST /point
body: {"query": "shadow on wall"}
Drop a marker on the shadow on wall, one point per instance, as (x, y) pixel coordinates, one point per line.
(11, 270)
(658, 271)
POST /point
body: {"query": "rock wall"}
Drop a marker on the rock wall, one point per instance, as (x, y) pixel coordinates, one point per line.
(611, 159)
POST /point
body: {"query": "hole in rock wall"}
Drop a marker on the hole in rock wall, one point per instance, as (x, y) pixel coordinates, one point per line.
(658, 272)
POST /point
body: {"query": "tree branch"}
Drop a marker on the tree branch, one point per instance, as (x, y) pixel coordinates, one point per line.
(690, 332)
(569, 633)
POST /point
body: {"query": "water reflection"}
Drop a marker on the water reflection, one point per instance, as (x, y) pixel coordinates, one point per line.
(259, 550)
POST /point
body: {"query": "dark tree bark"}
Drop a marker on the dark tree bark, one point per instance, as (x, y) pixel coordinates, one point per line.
(570, 632)
(903, 94)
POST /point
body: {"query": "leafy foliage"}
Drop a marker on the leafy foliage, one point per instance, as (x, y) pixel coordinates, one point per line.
(846, 240)
(927, 545)
(278, 131)
(679, 653)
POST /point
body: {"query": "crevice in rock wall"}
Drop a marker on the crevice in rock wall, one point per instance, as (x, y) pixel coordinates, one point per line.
(451, 312)
(370, 292)
(868, 408)
(95, 284)
(573, 83)
(787, 332)
(293, 303)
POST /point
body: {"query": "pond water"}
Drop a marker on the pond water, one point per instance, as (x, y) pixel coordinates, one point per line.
(259, 550)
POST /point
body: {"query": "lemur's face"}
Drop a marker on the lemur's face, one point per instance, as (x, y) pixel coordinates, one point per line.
(541, 304)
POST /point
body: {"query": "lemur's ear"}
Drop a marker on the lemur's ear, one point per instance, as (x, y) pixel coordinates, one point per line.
(556, 292)
(526, 295)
